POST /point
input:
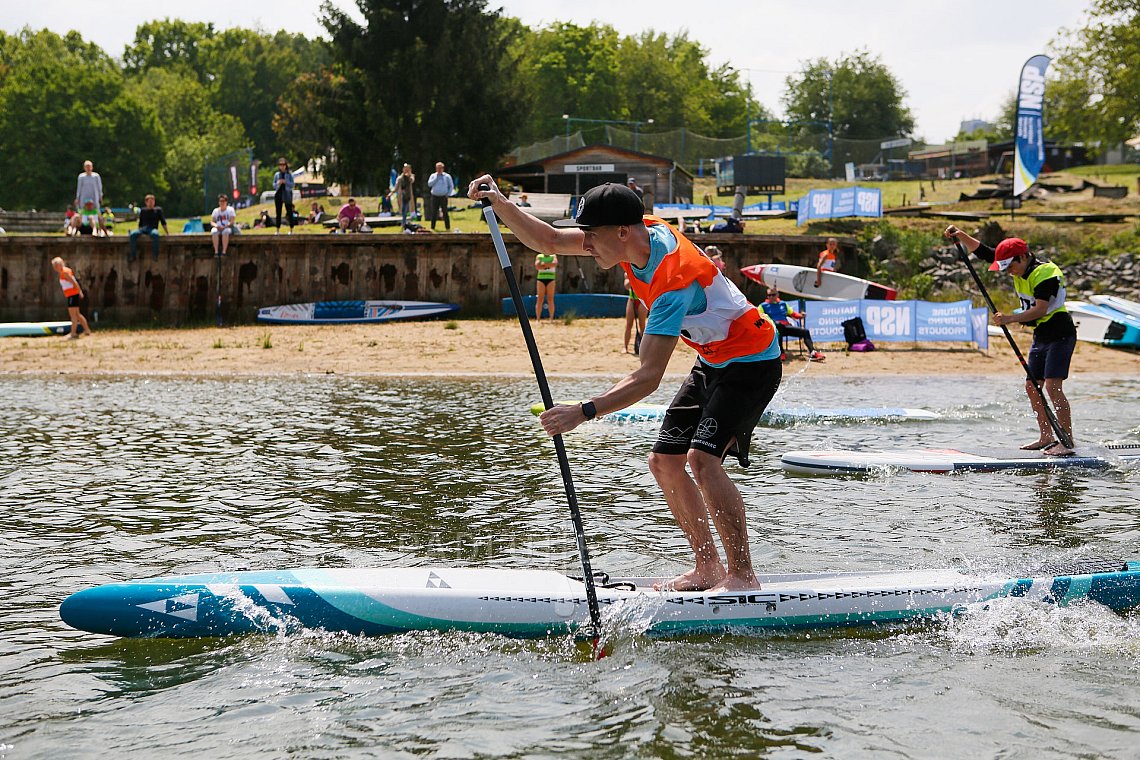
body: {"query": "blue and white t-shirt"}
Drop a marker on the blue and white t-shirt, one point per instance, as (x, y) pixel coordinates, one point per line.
(668, 313)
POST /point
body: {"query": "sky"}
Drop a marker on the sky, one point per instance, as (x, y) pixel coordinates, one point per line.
(956, 59)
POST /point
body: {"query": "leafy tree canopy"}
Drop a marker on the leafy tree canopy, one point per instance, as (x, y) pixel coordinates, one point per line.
(63, 101)
(1098, 79)
(856, 92)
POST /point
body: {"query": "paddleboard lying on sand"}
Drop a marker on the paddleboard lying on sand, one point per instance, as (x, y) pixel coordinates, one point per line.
(578, 304)
(34, 329)
(1123, 305)
(1103, 325)
(848, 462)
(535, 603)
(774, 416)
(800, 281)
(351, 312)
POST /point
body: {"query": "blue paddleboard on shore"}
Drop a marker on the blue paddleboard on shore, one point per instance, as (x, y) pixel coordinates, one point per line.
(351, 312)
(576, 304)
(540, 603)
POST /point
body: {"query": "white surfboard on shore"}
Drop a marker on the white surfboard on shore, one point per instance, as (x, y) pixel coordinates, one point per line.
(1123, 305)
(800, 281)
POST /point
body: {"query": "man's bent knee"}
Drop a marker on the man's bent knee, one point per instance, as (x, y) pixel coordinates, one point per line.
(666, 465)
(703, 464)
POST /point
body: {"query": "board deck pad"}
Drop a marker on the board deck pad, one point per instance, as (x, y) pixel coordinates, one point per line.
(855, 462)
(537, 603)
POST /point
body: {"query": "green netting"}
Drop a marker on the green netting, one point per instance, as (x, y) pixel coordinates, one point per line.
(217, 178)
(811, 152)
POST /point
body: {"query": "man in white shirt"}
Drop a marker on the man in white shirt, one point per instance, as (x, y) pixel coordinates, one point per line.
(222, 226)
(441, 186)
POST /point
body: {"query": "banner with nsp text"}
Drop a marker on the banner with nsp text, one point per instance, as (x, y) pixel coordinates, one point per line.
(899, 321)
(1029, 143)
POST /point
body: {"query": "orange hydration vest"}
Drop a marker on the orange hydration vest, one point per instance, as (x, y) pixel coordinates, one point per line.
(729, 327)
(827, 261)
(66, 278)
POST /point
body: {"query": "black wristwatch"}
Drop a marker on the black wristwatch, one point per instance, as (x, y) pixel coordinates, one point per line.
(589, 409)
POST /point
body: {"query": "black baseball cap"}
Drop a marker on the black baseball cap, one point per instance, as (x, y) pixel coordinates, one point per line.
(606, 205)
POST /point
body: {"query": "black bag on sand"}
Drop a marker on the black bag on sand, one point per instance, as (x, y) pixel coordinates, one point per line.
(853, 331)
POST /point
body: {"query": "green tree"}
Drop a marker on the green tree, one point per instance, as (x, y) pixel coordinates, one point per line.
(169, 44)
(430, 80)
(592, 72)
(1098, 79)
(194, 132)
(569, 69)
(63, 101)
(248, 71)
(857, 93)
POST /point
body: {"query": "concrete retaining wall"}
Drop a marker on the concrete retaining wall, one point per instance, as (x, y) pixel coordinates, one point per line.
(180, 288)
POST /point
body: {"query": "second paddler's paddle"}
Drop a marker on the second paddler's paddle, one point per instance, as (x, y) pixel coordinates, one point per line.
(1062, 436)
(547, 399)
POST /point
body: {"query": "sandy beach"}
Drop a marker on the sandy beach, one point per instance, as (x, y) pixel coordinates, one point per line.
(467, 347)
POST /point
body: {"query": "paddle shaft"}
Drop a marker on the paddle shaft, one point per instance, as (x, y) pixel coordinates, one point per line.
(218, 283)
(1062, 436)
(548, 401)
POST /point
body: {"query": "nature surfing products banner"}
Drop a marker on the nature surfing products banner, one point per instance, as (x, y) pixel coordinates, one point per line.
(1029, 144)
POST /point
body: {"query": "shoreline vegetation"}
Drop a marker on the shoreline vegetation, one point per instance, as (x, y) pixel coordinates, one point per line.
(472, 348)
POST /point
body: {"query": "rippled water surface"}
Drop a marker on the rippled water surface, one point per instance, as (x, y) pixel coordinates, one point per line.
(111, 479)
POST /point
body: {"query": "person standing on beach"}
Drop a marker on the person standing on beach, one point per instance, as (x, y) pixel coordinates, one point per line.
(828, 260)
(222, 226)
(283, 183)
(547, 266)
(74, 294)
(1040, 286)
(717, 407)
(441, 186)
(89, 190)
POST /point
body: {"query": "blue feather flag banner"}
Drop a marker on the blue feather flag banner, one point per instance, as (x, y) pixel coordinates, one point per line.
(1029, 143)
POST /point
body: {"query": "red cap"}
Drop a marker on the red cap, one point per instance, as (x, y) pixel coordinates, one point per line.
(1006, 251)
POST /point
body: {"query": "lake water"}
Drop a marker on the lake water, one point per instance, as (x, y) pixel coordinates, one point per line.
(112, 479)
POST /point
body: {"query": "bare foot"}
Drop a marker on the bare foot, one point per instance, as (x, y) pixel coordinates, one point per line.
(1058, 450)
(693, 580)
(733, 583)
(1040, 443)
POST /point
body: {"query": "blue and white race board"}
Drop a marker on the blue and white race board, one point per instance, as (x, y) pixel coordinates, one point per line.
(853, 462)
(536, 603)
(351, 312)
(776, 415)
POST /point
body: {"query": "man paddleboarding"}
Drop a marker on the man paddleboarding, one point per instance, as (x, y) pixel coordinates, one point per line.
(1040, 286)
(717, 407)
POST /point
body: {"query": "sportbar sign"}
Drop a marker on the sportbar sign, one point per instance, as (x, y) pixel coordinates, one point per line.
(1029, 143)
(899, 321)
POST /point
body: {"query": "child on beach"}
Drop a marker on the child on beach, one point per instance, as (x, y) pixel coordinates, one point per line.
(74, 294)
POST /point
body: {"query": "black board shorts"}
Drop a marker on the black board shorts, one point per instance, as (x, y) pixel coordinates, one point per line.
(1049, 360)
(73, 300)
(716, 405)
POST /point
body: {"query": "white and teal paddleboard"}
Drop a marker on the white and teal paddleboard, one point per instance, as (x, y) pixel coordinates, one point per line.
(34, 329)
(535, 603)
(854, 462)
(776, 415)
